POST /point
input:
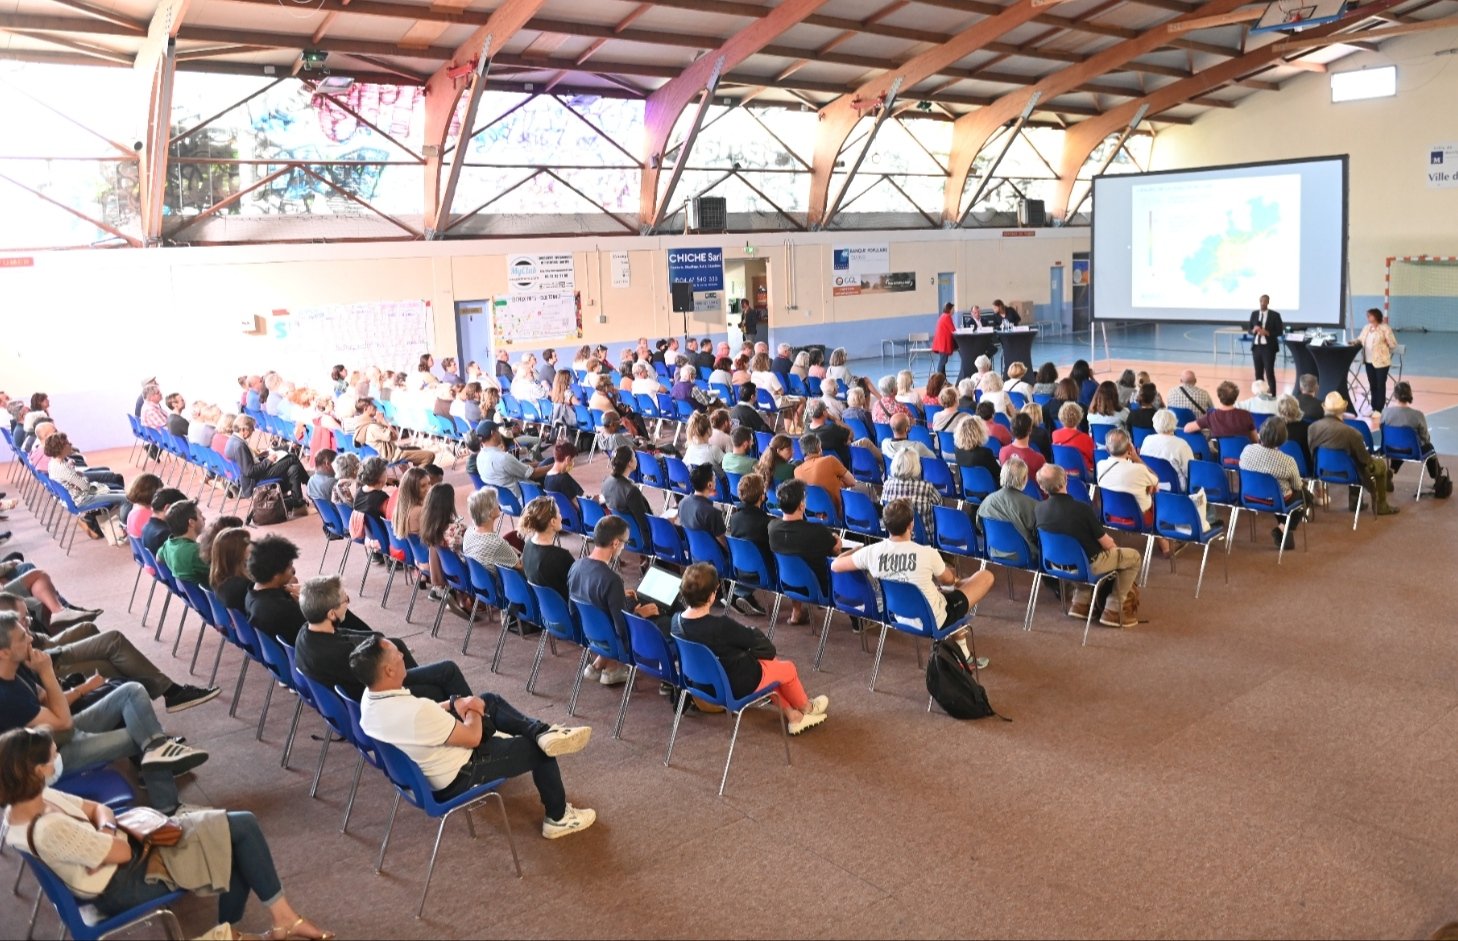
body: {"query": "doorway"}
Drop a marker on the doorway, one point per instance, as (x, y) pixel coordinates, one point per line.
(746, 278)
(473, 334)
(946, 289)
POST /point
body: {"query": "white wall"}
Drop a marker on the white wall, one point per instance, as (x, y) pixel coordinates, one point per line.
(1393, 211)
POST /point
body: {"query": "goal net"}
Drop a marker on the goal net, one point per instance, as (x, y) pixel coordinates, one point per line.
(1422, 293)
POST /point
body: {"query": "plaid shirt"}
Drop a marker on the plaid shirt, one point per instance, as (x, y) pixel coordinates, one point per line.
(1272, 461)
(1191, 397)
(922, 496)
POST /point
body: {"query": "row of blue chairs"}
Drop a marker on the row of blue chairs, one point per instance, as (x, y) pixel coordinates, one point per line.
(50, 501)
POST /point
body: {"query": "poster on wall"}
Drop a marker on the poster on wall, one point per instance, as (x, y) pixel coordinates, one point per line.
(704, 269)
(512, 323)
(388, 334)
(892, 282)
(622, 270)
(861, 259)
(541, 302)
(1443, 165)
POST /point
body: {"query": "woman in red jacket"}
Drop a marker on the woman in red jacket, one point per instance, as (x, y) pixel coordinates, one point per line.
(943, 343)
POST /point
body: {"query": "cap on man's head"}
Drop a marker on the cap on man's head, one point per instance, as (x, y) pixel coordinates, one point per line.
(486, 429)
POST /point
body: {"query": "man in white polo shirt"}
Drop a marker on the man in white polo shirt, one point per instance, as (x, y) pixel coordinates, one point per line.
(456, 742)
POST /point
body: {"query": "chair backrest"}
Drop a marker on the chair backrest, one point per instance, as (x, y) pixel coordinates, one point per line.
(1005, 545)
(820, 508)
(798, 581)
(1063, 556)
(1260, 492)
(977, 483)
(1175, 516)
(702, 669)
(1076, 489)
(530, 490)
(69, 908)
(557, 617)
(511, 504)
(571, 518)
(1121, 511)
(1401, 443)
(419, 553)
(858, 429)
(651, 470)
(1071, 459)
(668, 542)
(909, 609)
(650, 649)
(329, 518)
(1293, 450)
(367, 746)
(703, 547)
(1364, 429)
(453, 569)
(330, 706)
(590, 511)
(955, 532)
(599, 631)
(274, 658)
(796, 385)
(300, 687)
(936, 472)
(1210, 477)
(197, 599)
(1169, 478)
(484, 583)
(406, 775)
(1196, 441)
(861, 514)
(516, 591)
(1183, 415)
(866, 465)
(750, 565)
(1337, 467)
(1230, 448)
(855, 594)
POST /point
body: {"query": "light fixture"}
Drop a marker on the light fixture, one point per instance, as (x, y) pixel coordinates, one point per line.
(333, 84)
(313, 58)
(748, 248)
(1364, 83)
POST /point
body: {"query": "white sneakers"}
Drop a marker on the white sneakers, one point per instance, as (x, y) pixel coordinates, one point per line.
(615, 676)
(818, 705)
(808, 720)
(575, 820)
(591, 673)
(170, 756)
(564, 740)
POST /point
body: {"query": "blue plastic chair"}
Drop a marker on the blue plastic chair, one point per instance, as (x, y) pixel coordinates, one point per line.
(936, 472)
(799, 583)
(1071, 460)
(419, 555)
(85, 923)
(1230, 447)
(457, 578)
(1120, 511)
(703, 547)
(668, 542)
(977, 483)
(1198, 445)
(653, 654)
(603, 641)
(1293, 450)
(866, 466)
(858, 429)
(855, 595)
(335, 529)
(703, 671)
(485, 586)
(1366, 432)
(750, 567)
(410, 783)
(1210, 477)
(820, 508)
(1175, 517)
(1337, 467)
(520, 605)
(368, 749)
(911, 613)
(558, 623)
(331, 709)
(955, 533)
(1169, 478)
(1063, 558)
(861, 514)
(530, 490)
(1403, 444)
(1003, 545)
(1261, 493)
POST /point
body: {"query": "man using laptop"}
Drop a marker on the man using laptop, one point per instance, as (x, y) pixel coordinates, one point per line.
(593, 580)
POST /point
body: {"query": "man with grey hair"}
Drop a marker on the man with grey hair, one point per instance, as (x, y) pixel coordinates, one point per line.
(1168, 446)
(783, 360)
(967, 395)
(1188, 394)
(1123, 472)
(1011, 504)
(984, 372)
(899, 440)
(1066, 516)
(270, 465)
(1261, 401)
(322, 649)
(1307, 387)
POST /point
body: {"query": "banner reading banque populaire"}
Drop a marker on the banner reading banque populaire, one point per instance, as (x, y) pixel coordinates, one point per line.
(704, 269)
(865, 269)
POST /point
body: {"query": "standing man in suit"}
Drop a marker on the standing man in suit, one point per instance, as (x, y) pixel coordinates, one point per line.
(1265, 328)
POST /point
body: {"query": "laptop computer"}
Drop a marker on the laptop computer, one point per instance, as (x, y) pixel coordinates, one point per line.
(660, 587)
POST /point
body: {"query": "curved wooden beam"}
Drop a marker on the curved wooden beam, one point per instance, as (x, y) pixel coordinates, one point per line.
(666, 104)
(838, 118)
(970, 132)
(1081, 139)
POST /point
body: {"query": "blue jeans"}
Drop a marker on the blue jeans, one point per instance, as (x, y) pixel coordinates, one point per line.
(121, 724)
(253, 871)
(96, 501)
(507, 757)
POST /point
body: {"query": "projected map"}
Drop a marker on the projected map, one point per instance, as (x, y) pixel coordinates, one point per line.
(1216, 244)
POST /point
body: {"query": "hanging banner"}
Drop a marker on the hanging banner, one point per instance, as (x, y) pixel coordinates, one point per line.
(704, 269)
(622, 271)
(893, 282)
(541, 302)
(1443, 165)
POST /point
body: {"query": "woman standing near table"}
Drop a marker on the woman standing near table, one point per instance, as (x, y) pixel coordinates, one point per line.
(943, 343)
(1378, 342)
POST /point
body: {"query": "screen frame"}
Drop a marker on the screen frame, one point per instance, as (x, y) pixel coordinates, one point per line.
(1343, 295)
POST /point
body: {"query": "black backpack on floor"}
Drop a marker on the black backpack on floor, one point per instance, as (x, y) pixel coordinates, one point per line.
(949, 680)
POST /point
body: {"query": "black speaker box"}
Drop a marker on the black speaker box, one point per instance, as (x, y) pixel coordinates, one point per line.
(683, 297)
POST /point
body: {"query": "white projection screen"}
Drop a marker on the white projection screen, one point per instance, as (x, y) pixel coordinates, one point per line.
(1202, 245)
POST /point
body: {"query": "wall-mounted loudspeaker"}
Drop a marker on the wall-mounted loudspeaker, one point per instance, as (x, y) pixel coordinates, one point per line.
(683, 297)
(709, 214)
(1031, 213)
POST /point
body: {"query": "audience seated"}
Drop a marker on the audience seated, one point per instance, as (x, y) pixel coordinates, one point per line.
(269, 465)
(559, 477)
(949, 417)
(1011, 504)
(1105, 408)
(1123, 472)
(1062, 514)
(1168, 446)
(700, 449)
(140, 494)
(898, 442)
(322, 482)
(1022, 429)
(697, 512)
(887, 404)
(621, 495)
(1261, 401)
(465, 741)
(500, 469)
(1225, 420)
(1401, 414)
(777, 462)
(1046, 379)
(1142, 407)
(900, 559)
(793, 535)
(1070, 416)
(1266, 457)
(1332, 432)
(91, 497)
(228, 568)
(749, 657)
(273, 601)
(972, 447)
(120, 724)
(823, 470)
(1289, 409)
(1128, 389)
(180, 553)
(1188, 394)
(1308, 387)
(481, 541)
(156, 532)
(372, 431)
(593, 580)
(996, 431)
(907, 482)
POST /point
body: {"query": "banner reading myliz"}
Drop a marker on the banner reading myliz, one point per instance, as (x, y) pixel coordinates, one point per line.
(542, 300)
(704, 269)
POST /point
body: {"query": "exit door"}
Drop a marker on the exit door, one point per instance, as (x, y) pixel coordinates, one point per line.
(946, 289)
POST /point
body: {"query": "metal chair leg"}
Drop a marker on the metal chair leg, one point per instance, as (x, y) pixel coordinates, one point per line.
(263, 715)
(238, 690)
(677, 717)
(880, 647)
(733, 739)
(824, 636)
(501, 644)
(293, 731)
(537, 660)
(353, 790)
(323, 754)
(389, 826)
(623, 707)
(577, 683)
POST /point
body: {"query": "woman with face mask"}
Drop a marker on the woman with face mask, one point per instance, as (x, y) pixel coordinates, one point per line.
(80, 841)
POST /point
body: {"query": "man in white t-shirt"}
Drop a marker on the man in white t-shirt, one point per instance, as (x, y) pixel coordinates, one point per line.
(456, 743)
(899, 559)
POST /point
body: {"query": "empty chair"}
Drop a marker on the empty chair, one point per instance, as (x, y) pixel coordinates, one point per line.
(1176, 517)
